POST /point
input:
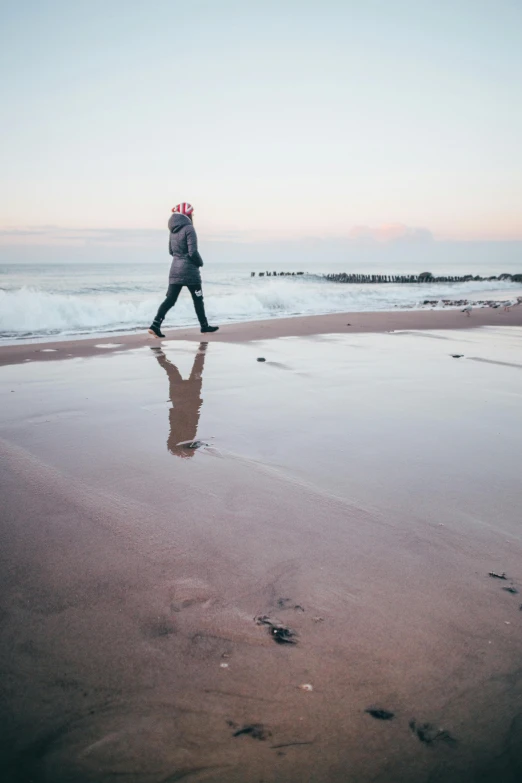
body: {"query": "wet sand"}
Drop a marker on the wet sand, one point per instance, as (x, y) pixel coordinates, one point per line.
(355, 488)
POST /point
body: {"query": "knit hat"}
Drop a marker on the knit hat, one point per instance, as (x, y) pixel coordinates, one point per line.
(184, 208)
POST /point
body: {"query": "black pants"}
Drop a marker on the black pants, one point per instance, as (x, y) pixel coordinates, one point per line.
(172, 297)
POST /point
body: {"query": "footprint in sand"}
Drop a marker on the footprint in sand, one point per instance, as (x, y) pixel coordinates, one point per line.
(184, 593)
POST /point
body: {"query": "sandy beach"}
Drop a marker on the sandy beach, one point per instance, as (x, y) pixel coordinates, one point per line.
(216, 568)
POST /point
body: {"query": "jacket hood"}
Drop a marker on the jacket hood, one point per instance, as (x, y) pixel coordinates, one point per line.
(177, 221)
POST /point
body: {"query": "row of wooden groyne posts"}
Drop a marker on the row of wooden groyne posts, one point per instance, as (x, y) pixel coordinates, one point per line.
(424, 277)
(278, 274)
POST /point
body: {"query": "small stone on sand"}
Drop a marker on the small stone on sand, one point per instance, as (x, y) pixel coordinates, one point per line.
(379, 714)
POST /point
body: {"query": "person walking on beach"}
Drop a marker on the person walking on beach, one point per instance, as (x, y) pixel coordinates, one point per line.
(184, 269)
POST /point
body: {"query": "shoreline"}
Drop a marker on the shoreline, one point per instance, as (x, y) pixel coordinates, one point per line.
(251, 331)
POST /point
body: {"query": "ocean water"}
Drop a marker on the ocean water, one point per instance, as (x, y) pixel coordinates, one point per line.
(39, 302)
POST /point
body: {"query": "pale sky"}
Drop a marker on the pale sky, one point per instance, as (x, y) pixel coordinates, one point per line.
(277, 120)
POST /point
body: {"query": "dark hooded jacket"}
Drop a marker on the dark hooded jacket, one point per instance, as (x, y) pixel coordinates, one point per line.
(183, 247)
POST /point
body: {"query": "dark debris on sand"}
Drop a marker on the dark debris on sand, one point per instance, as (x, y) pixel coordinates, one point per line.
(286, 603)
(511, 589)
(255, 730)
(497, 576)
(379, 714)
(279, 632)
(192, 444)
(429, 734)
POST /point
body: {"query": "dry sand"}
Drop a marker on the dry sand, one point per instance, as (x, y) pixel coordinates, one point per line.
(356, 488)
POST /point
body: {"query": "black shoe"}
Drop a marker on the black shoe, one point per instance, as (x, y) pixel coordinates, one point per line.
(208, 328)
(156, 331)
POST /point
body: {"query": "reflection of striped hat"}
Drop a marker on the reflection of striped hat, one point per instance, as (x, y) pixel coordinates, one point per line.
(184, 208)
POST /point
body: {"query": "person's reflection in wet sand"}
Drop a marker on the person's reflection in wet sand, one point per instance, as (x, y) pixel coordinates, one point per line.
(186, 400)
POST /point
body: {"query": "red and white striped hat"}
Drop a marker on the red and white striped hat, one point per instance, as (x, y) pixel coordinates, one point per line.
(184, 208)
